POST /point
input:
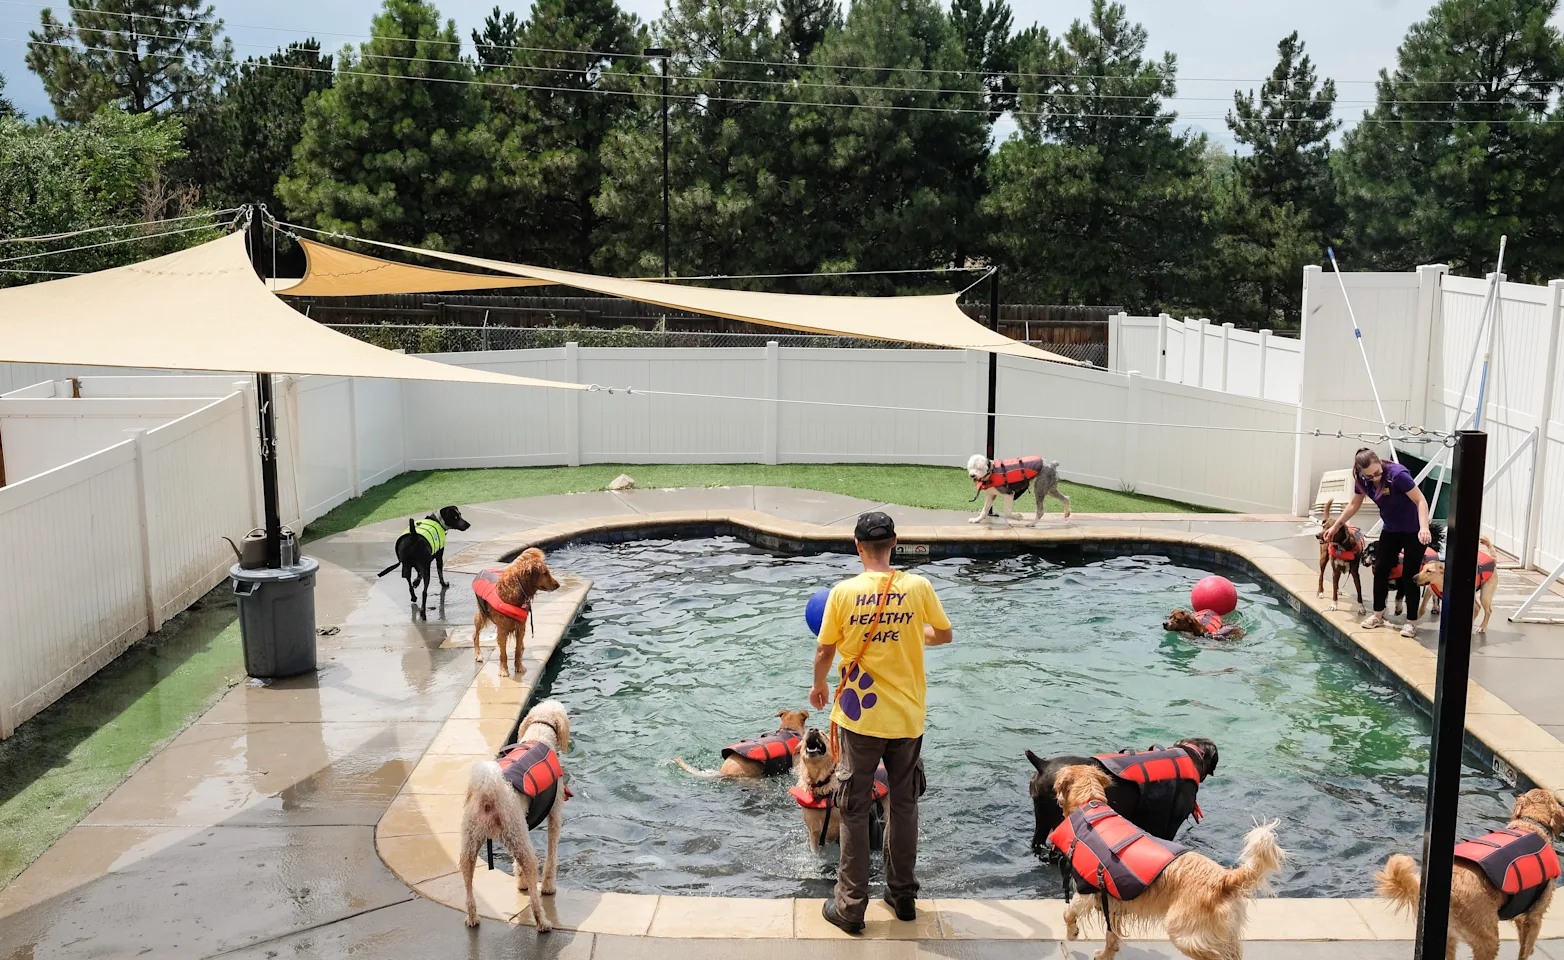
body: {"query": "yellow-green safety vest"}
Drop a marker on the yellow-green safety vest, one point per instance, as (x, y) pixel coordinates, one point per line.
(432, 532)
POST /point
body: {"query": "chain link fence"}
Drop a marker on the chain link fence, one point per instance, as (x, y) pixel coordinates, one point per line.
(453, 339)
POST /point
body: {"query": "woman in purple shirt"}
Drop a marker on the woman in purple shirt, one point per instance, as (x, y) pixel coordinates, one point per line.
(1404, 510)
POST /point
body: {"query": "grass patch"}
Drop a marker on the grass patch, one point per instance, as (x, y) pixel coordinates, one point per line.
(64, 761)
(940, 488)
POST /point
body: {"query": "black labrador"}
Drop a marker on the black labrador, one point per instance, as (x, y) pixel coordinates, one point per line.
(1160, 813)
(421, 545)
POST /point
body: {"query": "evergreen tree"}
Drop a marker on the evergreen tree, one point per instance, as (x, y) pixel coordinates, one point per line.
(400, 148)
(497, 41)
(140, 55)
(1099, 200)
(573, 63)
(805, 24)
(1457, 150)
(241, 143)
(985, 33)
(7, 108)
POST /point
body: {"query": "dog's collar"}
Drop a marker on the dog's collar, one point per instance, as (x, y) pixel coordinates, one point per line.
(559, 738)
(1195, 753)
(1541, 826)
(436, 518)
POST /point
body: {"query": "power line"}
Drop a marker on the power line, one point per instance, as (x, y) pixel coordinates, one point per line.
(110, 243)
(781, 64)
(701, 100)
(49, 237)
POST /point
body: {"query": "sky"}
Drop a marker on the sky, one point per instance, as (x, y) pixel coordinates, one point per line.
(1221, 45)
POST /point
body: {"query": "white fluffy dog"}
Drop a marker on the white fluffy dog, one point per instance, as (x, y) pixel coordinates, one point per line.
(1010, 479)
(508, 797)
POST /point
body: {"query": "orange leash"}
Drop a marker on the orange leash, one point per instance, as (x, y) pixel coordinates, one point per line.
(841, 680)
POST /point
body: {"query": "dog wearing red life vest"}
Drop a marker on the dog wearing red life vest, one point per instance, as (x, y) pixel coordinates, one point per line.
(508, 604)
(1343, 553)
(773, 753)
(1010, 479)
(1431, 553)
(1202, 623)
(504, 803)
(1432, 576)
(1201, 903)
(1507, 875)
(1159, 797)
(815, 791)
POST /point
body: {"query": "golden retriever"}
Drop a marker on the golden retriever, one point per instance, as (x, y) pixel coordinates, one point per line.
(518, 583)
(736, 766)
(1433, 574)
(497, 809)
(1474, 902)
(817, 780)
(1201, 902)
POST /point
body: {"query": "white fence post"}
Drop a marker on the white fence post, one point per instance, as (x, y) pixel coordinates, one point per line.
(354, 482)
(1116, 342)
(252, 447)
(573, 405)
(1162, 345)
(1265, 345)
(1539, 463)
(1131, 431)
(144, 511)
(1200, 353)
(1227, 350)
(772, 411)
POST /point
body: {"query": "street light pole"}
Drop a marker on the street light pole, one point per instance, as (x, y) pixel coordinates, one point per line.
(663, 53)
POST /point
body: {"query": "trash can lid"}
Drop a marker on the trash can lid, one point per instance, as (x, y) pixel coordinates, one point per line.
(305, 567)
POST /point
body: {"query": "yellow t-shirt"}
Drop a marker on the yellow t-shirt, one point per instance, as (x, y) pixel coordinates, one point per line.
(883, 690)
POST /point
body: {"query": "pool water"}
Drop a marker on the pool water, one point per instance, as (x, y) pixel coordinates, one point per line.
(690, 645)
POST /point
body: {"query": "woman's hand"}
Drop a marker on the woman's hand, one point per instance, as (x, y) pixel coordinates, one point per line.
(1329, 533)
(1424, 537)
(819, 696)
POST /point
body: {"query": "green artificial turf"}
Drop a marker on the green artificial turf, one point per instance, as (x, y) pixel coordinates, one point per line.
(942, 488)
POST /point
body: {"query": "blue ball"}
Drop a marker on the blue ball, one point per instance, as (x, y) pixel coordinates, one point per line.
(814, 610)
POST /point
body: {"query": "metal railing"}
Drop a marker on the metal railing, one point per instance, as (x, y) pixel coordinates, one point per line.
(415, 338)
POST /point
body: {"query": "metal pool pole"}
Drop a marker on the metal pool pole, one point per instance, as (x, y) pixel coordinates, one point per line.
(1455, 658)
(993, 358)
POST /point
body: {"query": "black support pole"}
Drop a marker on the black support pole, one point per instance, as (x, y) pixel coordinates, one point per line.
(266, 416)
(666, 257)
(993, 358)
(1455, 658)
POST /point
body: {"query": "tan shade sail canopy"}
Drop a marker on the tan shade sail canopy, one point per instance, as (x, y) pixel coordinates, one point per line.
(334, 272)
(934, 320)
(199, 309)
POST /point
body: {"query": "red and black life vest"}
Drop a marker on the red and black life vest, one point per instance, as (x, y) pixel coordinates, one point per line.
(1349, 553)
(1168, 782)
(1108, 853)
(1519, 863)
(811, 801)
(1429, 553)
(1014, 475)
(1486, 566)
(486, 586)
(1209, 622)
(774, 751)
(1151, 766)
(533, 768)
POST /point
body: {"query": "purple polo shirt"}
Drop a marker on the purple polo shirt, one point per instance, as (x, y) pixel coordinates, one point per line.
(1391, 497)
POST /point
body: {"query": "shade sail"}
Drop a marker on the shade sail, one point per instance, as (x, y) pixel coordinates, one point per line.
(199, 309)
(933, 320)
(334, 272)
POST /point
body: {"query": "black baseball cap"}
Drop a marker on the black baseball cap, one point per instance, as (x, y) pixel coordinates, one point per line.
(874, 526)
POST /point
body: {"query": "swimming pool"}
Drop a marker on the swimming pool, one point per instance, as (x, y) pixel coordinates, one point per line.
(690, 645)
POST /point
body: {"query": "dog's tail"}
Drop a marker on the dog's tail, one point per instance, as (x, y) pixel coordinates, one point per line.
(699, 773)
(1329, 506)
(1262, 857)
(1037, 761)
(1487, 543)
(486, 788)
(1399, 882)
(389, 569)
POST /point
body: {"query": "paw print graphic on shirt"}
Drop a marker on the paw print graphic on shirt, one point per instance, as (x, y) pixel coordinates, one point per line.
(854, 700)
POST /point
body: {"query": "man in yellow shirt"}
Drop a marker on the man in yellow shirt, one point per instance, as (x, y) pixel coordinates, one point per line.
(879, 621)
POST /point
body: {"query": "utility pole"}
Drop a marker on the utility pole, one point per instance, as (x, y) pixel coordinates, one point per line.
(663, 53)
(266, 414)
(993, 358)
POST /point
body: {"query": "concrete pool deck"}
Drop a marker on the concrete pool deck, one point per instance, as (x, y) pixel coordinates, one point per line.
(254, 833)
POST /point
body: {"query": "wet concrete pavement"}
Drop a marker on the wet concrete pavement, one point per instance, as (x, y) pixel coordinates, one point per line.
(252, 833)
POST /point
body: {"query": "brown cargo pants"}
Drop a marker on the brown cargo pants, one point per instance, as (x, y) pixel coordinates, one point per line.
(861, 756)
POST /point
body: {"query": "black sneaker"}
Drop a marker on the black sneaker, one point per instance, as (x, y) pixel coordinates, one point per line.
(906, 907)
(837, 920)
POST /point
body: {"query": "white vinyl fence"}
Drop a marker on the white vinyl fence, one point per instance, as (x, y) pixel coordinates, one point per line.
(1200, 353)
(109, 545)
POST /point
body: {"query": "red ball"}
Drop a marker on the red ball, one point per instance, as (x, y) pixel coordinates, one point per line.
(1216, 594)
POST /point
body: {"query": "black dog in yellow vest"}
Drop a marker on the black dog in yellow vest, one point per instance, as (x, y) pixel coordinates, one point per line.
(421, 545)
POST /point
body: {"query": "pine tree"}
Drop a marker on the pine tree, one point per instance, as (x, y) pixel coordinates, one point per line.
(241, 143)
(1457, 150)
(400, 147)
(140, 55)
(497, 41)
(985, 32)
(7, 108)
(805, 24)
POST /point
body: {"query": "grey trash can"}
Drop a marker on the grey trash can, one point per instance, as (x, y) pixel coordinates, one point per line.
(277, 618)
